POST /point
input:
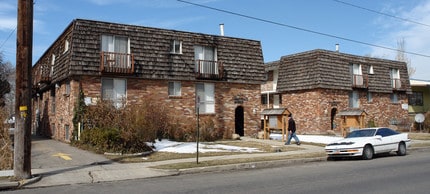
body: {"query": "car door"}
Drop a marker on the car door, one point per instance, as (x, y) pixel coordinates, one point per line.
(385, 143)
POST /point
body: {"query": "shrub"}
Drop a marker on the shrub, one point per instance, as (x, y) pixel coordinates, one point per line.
(127, 130)
(6, 153)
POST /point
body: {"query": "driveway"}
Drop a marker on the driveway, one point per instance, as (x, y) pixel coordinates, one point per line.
(48, 153)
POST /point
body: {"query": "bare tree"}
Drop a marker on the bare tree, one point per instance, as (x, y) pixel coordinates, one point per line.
(6, 70)
(401, 56)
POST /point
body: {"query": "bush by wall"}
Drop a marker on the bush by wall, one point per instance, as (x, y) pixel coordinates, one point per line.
(6, 153)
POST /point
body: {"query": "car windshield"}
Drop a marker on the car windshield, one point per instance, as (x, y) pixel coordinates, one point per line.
(362, 133)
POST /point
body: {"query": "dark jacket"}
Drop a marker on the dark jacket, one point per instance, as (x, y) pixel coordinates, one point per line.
(291, 125)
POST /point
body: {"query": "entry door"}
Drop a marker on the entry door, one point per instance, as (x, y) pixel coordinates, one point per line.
(239, 121)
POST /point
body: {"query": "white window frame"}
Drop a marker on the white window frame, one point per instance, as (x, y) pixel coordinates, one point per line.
(371, 70)
(174, 89)
(52, 64)
(117, 92)
(111, 42)
(357, 74)
(66, 46)
(354, 99)
(176, 47)
(394, 98)
(205, 93)
(369, 97)
(208, 54)
(395, 78)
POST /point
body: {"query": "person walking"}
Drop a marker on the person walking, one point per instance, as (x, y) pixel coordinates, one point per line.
(292, 130)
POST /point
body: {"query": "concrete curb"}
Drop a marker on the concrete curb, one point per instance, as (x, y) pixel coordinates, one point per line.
(251, 165)
(17, 184)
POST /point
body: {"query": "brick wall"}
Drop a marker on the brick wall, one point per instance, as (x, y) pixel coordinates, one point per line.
(311, 109)
(228, 97)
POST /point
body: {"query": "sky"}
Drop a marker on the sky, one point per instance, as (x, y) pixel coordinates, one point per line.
(284, 27)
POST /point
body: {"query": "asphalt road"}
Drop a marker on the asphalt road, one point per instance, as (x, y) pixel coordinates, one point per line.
(386, 174)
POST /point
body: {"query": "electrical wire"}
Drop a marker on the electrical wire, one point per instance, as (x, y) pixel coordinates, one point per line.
(303, 29)
(382, 13)
(10, 34)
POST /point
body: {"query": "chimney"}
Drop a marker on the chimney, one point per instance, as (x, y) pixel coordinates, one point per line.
(221, 29)
(337, 47)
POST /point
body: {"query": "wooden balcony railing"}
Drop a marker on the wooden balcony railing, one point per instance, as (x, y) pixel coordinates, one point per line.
(360, 81)
(121, 63)
(209, 70)
(44, 73)
(398, 84)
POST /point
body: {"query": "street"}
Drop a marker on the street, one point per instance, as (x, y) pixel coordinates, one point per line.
(384, 174)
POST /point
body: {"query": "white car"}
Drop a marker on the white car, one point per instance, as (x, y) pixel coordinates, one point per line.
(369, 141)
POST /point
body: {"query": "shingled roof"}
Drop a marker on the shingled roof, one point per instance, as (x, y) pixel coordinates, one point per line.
(242, 59)
(332, 70)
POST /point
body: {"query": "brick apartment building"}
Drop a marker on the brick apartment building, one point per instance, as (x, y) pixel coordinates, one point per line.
(319, 85)
(117, 61)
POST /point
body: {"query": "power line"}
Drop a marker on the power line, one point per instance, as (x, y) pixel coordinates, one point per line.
(303, 29)
(382, 13)
(4, 42)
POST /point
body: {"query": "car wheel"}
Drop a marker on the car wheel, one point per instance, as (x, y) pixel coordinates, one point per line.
(367, 152)
(401, 150)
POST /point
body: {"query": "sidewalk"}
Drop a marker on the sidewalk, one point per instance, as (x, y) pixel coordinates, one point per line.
(116, 172)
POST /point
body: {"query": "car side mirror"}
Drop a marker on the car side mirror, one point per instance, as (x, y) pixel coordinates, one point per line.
(378, 137)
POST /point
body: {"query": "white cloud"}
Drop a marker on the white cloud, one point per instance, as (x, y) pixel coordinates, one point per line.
(7, 24)
(168, 23)
(416, 38)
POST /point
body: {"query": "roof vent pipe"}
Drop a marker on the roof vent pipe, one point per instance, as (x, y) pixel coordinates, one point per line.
(337, 47)
(221, 29)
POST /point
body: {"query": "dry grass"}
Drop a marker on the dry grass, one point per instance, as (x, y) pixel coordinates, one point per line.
(186, 165)
(161, 156)
(419, 136)
(6, 153)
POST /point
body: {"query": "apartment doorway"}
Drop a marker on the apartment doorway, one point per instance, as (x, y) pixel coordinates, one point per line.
(333, 115)
(239, 121)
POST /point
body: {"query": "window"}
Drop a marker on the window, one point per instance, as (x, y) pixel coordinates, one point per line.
(384, 132)
(416, 99)
(206, 96)
(115, 44)
(263, 98)
(52, 101)
(52, 65)
(354, 99)
(174, 88)
(205, 60)
(176, 47)
(357, 75)
(394, 98)
(66, 46)
(117, 50)
(395, 78)
(67, 92)
(371, 70)
(114, 90)
(369, 97)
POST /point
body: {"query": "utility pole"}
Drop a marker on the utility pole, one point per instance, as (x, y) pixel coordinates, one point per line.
(24, 47)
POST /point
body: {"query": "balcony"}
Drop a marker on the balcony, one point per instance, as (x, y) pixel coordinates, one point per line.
(118, 63)
(360, 81)
(206, 69)
(44, 73)
(398, 84)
